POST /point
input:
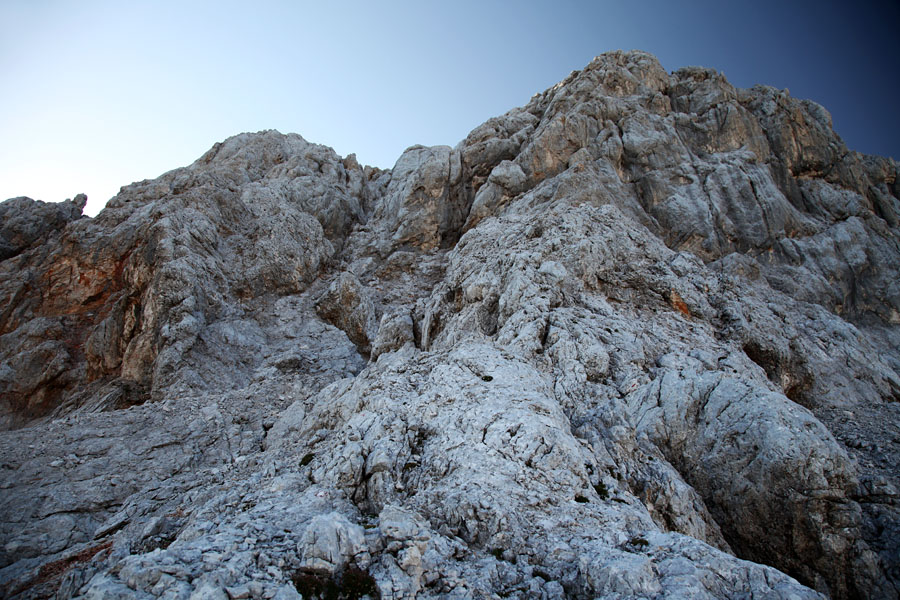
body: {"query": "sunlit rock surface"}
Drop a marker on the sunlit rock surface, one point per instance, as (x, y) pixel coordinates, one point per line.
(637, 339)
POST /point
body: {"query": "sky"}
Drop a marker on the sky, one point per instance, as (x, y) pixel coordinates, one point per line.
(97, 94)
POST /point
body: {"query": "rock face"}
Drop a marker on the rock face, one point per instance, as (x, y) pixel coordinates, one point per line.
(637, 339)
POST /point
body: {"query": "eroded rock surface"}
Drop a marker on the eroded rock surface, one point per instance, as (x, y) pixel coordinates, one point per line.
(639, 338)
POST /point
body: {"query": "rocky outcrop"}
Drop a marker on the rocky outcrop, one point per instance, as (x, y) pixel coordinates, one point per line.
(27, 222)
(167, 272)
(638, 338)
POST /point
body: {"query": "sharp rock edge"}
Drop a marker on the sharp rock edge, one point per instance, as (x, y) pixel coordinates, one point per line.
(636, 339)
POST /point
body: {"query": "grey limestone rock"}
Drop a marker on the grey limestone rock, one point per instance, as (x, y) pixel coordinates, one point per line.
(330, 542)
(636, 339)
(26, 221)
(394, 331)
(348, 307)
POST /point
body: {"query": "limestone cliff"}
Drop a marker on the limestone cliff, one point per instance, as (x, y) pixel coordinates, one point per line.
(639, 338)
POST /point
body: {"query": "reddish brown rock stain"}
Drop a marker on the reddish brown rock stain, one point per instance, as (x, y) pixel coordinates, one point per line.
(679, 304)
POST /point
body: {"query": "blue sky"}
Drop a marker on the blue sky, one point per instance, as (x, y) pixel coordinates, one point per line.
(98, 94)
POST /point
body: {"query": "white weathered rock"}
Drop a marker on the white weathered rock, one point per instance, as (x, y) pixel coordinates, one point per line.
(616, 343)
(394, 331)
(329, 543)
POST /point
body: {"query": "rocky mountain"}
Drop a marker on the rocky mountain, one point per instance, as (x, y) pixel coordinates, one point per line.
(639, 338)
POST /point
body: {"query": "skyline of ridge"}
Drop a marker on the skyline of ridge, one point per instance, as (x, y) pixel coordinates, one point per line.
(109, 94)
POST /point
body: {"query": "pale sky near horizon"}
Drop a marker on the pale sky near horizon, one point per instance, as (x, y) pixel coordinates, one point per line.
(97, 94)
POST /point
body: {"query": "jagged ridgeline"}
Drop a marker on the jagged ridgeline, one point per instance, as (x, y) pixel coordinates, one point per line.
(637, 339)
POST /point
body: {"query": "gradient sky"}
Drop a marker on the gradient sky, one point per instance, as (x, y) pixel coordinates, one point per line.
(98, 94)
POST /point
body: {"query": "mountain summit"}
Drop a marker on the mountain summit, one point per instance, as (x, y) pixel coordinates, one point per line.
(639, 338)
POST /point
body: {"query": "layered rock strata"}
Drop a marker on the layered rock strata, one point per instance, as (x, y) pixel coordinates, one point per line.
(639, 338)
